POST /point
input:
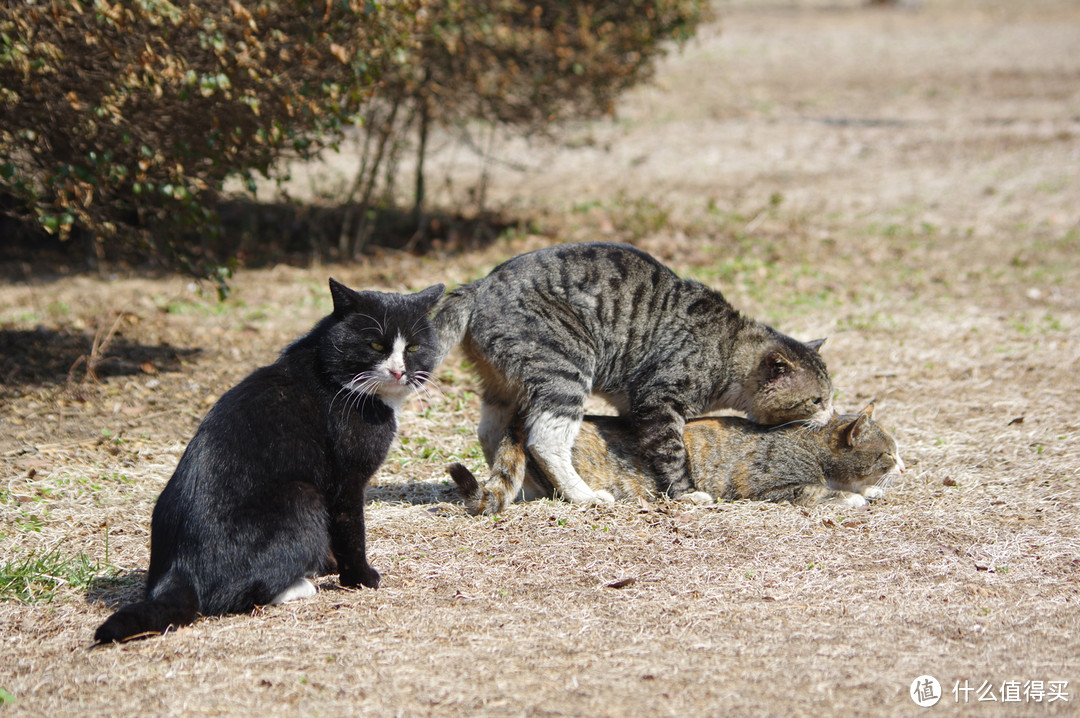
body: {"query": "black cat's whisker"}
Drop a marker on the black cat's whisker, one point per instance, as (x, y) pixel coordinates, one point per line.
(342, 390)
(361, 389)
(419, 320)
(424, 378)
(422, 389)
(378, 324)
(424, 403)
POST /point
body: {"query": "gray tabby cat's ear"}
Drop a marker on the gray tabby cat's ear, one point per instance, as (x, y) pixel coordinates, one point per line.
(344, 298)
(816, 344)
(428, 297)
(777, 364)
(854, 430)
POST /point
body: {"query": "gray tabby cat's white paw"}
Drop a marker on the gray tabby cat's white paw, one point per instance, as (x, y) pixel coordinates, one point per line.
(873, 492)
(697, 498)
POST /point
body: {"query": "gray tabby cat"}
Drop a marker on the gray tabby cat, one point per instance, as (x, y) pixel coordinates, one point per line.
(546, 328)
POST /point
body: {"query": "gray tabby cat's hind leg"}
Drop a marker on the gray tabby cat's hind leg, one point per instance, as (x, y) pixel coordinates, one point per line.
(660, 434)
(495, 417)
(551, 438)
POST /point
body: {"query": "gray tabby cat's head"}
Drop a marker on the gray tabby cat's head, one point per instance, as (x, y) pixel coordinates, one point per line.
(788, 381)
(864, 455)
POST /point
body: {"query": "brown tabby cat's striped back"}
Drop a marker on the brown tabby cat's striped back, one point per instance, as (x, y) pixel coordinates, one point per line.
(850, 459)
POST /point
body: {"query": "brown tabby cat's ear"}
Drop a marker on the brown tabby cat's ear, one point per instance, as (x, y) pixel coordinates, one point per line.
(777, 364)
(854, 430)
(816, 344)
(868, 412)
(344, 298)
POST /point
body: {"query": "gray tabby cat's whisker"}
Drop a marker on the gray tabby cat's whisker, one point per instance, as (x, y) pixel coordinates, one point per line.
(803, 422)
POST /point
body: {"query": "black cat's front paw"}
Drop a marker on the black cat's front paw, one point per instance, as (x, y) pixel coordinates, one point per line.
(366, 576)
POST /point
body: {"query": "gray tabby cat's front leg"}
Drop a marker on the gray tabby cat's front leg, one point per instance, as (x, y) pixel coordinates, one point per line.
(551, 439)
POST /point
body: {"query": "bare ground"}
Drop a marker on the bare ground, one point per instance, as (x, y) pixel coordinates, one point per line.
(904, 181)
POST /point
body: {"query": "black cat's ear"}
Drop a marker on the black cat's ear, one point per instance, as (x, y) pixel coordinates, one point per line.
(428, 297)
(853, 431)
(344, 298)
(777, 364)
(816, 344)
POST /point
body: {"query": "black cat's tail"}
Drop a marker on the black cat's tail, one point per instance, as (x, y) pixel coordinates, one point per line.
(174, 603)
(452, 318)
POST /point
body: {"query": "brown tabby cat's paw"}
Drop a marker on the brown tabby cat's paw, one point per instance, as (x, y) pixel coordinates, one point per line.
(366, 576)
(873, 492)
(601, 498)
(697, 498)
(844, 498)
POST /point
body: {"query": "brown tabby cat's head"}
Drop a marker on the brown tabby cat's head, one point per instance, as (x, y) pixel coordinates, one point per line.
(864, 455)
(790, 383)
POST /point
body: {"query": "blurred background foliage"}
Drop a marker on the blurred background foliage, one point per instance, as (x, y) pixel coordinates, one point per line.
(121, 121)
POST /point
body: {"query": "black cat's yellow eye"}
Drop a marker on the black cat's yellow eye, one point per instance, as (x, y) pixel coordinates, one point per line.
(412, 347)
(377, 347)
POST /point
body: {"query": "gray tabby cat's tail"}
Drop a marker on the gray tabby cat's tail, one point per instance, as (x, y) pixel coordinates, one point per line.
(452, 318)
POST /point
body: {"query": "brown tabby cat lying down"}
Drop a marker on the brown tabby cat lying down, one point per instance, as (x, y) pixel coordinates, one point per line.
(850, 459)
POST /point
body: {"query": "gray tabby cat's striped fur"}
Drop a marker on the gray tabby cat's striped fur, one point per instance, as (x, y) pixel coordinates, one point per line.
(546, 328)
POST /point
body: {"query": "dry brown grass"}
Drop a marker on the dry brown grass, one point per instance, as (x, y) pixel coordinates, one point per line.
(925, 218)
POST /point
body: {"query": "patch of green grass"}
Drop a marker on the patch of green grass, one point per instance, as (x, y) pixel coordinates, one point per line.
(29, 522)
(1030, 325)
(58, 309)
(202, 308)
(38, 577)
(867, 321)
(6, 698)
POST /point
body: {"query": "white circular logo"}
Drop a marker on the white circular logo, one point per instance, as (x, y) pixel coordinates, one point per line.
(925, 691)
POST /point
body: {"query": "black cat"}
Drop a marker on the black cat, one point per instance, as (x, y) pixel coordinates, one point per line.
(270, 491)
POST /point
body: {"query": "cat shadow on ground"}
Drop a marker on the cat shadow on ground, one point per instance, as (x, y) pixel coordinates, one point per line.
(418, 493)
(117, 590)
(32, 356)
